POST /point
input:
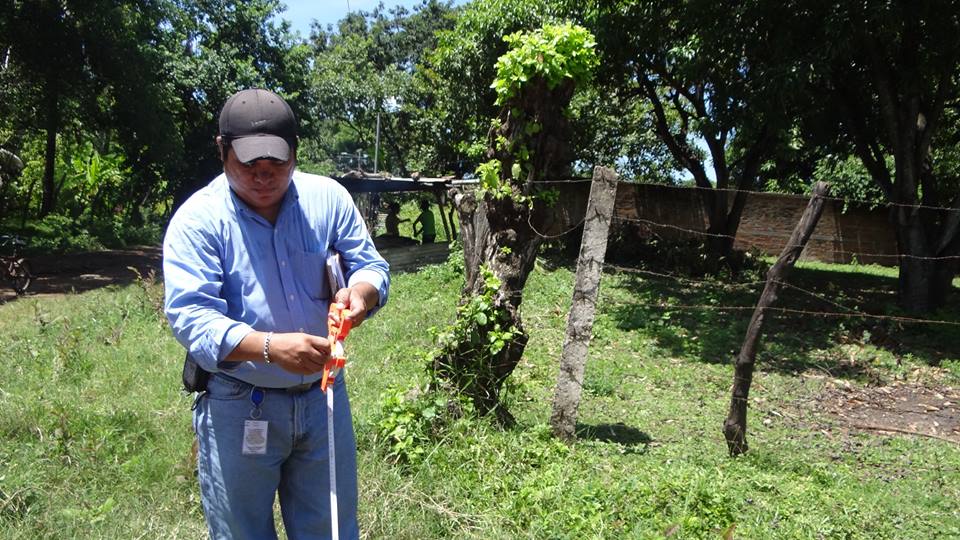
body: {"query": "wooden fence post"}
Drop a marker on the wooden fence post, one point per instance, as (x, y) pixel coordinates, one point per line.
(443, 217)
(593, 248)
(735, 426)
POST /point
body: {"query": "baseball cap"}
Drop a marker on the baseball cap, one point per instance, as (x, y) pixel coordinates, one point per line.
(258, 124)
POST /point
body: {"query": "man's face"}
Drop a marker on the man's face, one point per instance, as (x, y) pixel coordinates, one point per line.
(261, 183)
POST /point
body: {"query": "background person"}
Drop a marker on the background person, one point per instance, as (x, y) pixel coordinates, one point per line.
(392, 221)
(246, 294)
(428, 227)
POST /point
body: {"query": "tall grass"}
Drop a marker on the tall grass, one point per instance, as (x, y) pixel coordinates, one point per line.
(95, 434)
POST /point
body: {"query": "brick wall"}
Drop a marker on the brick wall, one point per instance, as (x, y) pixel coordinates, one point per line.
(766, 225)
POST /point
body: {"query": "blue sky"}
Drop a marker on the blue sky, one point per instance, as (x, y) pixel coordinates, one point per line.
(301, 13)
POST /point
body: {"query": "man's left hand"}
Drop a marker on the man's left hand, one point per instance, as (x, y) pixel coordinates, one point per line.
(359, 300)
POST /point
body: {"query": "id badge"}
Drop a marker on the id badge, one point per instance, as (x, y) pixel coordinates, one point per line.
(254, 437)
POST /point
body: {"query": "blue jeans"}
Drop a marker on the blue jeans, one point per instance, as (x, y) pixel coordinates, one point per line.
(238, 490)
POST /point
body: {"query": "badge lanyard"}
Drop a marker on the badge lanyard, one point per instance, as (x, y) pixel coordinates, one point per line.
(255, 430)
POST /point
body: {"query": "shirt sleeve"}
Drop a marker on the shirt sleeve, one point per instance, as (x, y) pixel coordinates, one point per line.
(360, 256)
(193, 278)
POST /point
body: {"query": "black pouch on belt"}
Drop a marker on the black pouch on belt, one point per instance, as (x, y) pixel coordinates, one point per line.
(194, 377)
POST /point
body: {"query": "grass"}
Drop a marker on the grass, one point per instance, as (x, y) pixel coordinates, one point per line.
(95, 433)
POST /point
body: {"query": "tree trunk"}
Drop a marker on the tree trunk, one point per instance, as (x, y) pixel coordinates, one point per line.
(735, 425)
(722, 232)
(924, 237)
(498, 228)
(925, 281)
(49, 200)
(496, 236)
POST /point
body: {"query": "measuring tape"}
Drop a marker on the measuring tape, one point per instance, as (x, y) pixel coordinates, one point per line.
(338, 326)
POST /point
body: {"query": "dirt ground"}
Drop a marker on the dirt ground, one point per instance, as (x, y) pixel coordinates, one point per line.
(897, 408)
(80, 272)
(927, 410)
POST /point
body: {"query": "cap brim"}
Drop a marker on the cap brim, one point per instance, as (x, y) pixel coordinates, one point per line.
(255, 147)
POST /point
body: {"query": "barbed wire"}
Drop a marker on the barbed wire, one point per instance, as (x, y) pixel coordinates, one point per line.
(749, 286)
(746, 285)
(555, 236)
(814, 295)
(682, 279)
(830, 314)
(845, 200)
(858, 254)
(850, 312)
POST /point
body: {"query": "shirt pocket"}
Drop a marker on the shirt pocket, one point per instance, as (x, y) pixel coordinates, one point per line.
(309, 271)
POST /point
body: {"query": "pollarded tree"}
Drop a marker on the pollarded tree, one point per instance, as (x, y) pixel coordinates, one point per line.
(460, 66)
(528, 143)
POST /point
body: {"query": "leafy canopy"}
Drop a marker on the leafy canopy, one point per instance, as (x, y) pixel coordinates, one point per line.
(553, 52)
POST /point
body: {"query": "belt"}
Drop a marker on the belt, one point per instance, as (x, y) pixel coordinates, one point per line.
(293, 390)
(298, 389)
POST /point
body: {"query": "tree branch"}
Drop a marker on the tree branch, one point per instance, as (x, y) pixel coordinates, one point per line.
(935, 113)
(865, 146)
(696, 100)
(883, 79)
(719, 157)
(684, 116)
(680, 149)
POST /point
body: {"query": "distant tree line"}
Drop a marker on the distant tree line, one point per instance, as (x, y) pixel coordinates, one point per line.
(111, 106)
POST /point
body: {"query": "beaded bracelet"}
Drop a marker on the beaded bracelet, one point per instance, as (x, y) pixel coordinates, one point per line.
(266, 347)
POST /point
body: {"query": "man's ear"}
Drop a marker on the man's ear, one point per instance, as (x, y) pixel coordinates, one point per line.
(223, 154)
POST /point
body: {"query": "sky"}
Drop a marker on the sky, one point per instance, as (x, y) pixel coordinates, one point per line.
(301, 13)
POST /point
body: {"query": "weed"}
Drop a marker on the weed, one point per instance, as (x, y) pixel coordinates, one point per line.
(409, 422)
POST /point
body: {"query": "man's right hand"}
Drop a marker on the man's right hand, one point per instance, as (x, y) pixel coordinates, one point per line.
(299, 353)
(303, 354)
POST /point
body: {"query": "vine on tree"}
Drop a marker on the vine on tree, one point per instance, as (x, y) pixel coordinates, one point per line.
(527, 142)
(557, 57)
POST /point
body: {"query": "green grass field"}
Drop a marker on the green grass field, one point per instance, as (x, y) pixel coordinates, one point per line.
(95, 433)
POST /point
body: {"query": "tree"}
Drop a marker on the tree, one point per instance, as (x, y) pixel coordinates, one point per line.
(213, 49)
(460, 68)
(890, 78)
(87, 69)
(710, 81)
(528, 143)
(43, 43)
(366, 73)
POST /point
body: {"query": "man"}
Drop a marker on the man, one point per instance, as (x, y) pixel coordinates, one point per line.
(246, 294)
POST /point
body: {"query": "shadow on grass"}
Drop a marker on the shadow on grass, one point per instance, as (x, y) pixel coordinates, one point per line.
(674, 311)
(633, 439)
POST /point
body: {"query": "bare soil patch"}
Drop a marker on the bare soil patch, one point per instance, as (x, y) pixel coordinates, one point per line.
(898, 408)
(80, 272)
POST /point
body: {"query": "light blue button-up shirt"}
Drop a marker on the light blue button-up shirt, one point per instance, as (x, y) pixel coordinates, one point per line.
(228, 271)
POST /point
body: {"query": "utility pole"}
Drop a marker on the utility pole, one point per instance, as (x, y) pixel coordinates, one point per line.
(376, 147)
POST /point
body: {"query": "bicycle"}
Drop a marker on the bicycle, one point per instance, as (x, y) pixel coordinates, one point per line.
(16, 269)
